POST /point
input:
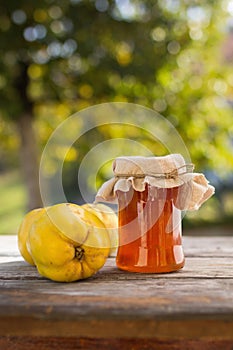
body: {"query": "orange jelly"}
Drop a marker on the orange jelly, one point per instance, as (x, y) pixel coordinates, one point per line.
(149, 231)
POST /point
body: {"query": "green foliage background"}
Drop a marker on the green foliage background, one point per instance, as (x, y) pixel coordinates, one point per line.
(58, 57)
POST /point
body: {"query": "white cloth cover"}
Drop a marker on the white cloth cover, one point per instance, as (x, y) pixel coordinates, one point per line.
(162, 172)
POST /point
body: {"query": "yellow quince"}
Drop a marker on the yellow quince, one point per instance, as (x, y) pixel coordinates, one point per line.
(68, 243)
(23, 232)
(110, 220)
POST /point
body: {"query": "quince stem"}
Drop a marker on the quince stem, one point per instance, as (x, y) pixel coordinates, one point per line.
(79, 252)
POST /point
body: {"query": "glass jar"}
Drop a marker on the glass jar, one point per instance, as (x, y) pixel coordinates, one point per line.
(149, 231)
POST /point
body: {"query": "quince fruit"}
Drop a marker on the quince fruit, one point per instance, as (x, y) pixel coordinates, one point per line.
(23, 232)
(68, 243)
(110, 221)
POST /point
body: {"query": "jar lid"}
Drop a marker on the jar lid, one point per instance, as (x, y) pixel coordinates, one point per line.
(163, 172)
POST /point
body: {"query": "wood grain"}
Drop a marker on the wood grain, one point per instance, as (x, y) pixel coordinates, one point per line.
(189, 309)
(35, 343)
(195, 245)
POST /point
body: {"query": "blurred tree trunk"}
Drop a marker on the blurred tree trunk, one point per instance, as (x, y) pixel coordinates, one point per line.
(29, 160)
(28, 145)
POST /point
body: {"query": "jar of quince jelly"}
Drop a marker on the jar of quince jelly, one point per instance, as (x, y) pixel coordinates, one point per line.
(149, 230)
(151, 193)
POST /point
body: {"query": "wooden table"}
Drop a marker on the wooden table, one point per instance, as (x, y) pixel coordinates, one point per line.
(189, 309)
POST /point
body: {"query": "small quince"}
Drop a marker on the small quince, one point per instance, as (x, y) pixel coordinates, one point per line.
(66, 242)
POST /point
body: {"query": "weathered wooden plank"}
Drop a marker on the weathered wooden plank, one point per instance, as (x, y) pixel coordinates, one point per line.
(193, 246)
(208, 246)
(35, 343)
(163, 329)
(116, 292)
(194, 268)
(150, 298)
(194, 304)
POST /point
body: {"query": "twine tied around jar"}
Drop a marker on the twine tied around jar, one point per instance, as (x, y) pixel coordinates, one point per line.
(168, 171)
(167, 176)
